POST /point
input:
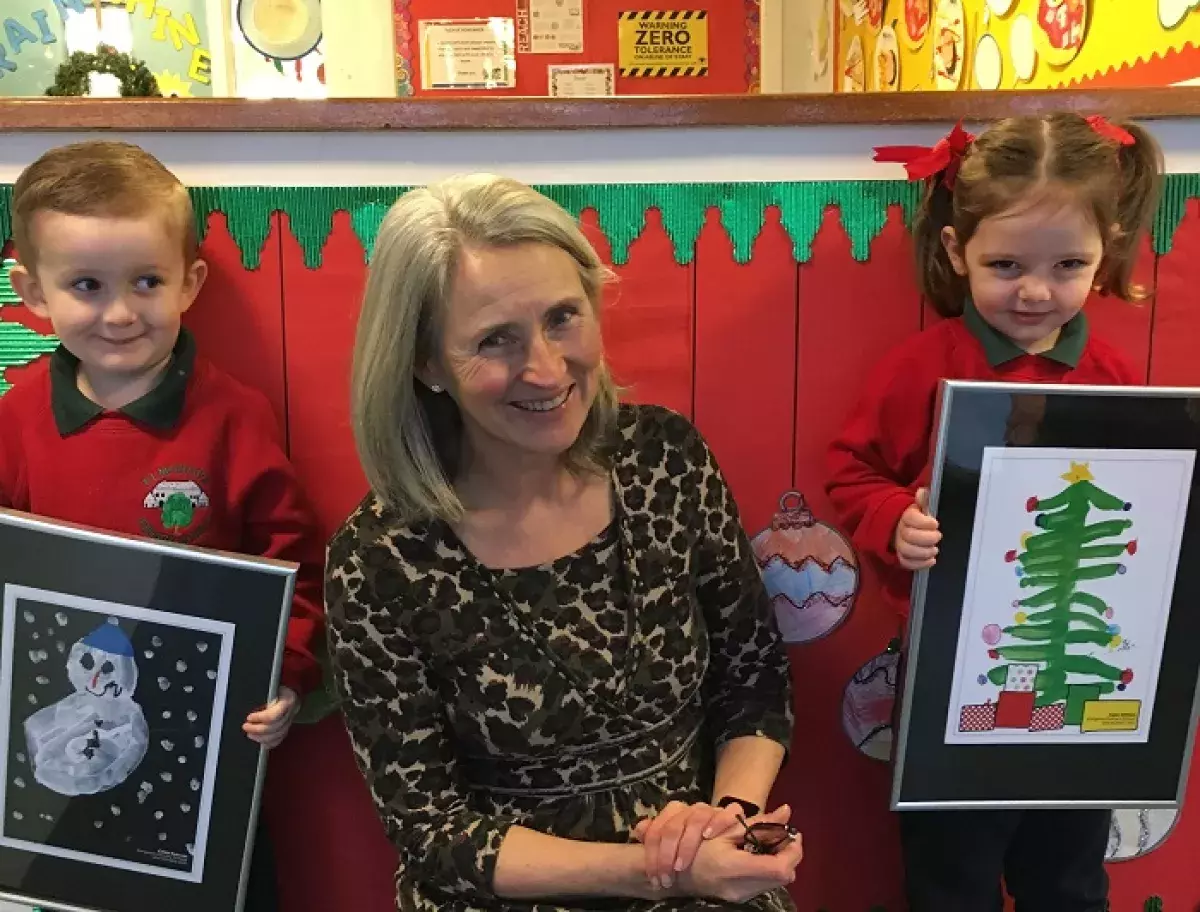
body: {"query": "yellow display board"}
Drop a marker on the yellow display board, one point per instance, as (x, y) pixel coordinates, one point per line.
(946, 45)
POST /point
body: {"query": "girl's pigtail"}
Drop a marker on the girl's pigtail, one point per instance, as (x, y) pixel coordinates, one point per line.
(1139, 184)
(944, 288)
(938, 165)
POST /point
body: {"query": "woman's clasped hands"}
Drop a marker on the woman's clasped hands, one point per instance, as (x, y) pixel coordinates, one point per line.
(700, 850)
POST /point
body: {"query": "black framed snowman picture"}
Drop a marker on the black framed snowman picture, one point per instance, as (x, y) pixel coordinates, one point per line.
(127, 667)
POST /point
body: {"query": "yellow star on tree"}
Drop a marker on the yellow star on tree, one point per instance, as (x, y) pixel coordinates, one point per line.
(1079, 472)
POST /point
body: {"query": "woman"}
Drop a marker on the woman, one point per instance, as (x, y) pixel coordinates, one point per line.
(547, 626)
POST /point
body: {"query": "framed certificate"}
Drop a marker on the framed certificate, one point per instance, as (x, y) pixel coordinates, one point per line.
(1052, 656)
(127, 668)
(586, 80)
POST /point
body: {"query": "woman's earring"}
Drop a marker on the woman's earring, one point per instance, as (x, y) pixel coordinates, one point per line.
(434, 388)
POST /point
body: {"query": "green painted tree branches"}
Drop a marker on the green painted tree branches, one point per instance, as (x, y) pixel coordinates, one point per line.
(1058, 615)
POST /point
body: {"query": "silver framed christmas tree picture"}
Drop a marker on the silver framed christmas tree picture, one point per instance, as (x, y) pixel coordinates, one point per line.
(127, 667)
(1048, 661)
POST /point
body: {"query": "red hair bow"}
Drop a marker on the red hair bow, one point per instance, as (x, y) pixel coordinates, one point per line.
(1110, 130)
(922, 162)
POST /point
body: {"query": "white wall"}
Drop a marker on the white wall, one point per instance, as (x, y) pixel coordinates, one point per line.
(550, 156)
(790, 30)
(217, 15)
(359, 46)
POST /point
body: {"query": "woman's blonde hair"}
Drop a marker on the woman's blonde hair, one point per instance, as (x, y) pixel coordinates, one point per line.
(409, 439)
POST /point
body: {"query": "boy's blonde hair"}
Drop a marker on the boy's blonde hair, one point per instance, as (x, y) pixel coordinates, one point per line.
(409, 439)
(101, 179)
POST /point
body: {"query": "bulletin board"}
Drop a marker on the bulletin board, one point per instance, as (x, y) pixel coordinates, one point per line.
(36, 37)
(958, 45)
(733, 30)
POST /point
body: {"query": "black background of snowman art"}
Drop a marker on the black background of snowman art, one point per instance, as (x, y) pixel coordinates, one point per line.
(250, 599)
(151, 817)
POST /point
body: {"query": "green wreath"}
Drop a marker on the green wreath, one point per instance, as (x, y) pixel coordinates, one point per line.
(72, 77)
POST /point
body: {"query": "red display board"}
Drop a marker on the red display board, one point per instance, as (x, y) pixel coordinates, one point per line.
(729, 71)
(322, 313)
(767, 357)
(238, 320)
(747, 354)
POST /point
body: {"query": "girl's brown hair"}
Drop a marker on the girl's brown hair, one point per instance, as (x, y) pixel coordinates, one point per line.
(1017, 157)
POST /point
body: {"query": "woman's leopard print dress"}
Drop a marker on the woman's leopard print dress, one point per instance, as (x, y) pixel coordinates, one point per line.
(573, 698)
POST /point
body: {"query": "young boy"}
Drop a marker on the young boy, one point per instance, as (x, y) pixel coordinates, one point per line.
(107, 253)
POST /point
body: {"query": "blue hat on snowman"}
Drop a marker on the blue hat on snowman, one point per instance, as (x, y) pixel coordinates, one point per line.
(111, 639)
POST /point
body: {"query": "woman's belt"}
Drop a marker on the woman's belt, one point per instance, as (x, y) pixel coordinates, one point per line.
(581, 770)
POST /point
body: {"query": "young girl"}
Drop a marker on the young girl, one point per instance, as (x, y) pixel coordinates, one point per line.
(1016, 228)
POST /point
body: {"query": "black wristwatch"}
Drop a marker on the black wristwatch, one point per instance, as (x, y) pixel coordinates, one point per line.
(751, 809)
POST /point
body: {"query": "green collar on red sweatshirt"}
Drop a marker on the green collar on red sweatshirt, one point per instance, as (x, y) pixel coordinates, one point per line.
(1000, 349)
(159, 408)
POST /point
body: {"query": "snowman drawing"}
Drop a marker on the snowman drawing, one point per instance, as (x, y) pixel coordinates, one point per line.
(92, 740)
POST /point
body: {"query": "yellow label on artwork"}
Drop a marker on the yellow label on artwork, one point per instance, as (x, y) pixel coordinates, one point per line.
(1110, 715)
(661, 43)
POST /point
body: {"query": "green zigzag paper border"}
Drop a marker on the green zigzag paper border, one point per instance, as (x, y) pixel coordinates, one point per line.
(19, 345)
(621, 209)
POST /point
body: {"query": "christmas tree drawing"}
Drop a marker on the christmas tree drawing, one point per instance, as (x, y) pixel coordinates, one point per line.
(1047, 667)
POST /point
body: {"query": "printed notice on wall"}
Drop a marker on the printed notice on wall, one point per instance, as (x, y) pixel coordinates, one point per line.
(583, 81)
(467, 54)
(550, 26)
(660, 43)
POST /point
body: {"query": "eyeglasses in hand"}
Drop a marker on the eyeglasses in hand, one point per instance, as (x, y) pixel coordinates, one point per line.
(767, 838)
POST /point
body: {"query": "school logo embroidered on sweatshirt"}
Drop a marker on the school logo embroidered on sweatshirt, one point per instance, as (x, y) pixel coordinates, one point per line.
(176, 504)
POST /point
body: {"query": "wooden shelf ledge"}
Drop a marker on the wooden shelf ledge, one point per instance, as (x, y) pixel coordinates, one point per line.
(512, 113)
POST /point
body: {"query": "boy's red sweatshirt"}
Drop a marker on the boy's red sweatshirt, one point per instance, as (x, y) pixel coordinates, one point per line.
(883, 454)
(200, 433)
